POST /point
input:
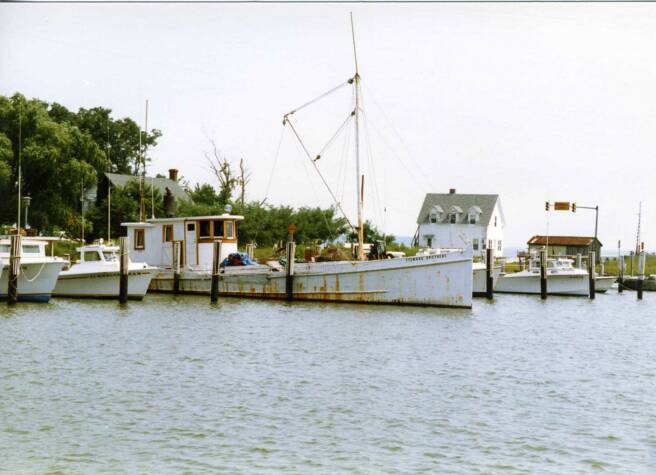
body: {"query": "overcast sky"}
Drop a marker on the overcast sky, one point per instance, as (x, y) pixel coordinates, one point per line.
(534, 102)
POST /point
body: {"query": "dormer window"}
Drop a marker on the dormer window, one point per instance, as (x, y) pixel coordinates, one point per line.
(474, 214)
(454, 214)
(436, 214)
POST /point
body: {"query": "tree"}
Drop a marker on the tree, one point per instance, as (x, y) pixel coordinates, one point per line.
(242, 181)
(223, 173)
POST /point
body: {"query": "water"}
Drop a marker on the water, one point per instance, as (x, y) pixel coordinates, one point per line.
(174, 385)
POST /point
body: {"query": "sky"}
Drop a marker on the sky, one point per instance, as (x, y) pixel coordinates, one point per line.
(534, 102)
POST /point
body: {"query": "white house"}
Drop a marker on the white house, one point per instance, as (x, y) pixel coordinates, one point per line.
(452, 220)
(152, 241)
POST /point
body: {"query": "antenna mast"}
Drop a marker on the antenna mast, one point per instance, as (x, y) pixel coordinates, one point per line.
(359, 177)
(142, 209)
(637, 248)
(20, 173)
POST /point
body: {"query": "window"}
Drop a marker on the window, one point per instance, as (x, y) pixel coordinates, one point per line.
(218, 229)
(429, 242)
(4, 248)
(495, 221)
(490, 244)
(30, 249)
(482, 244)
(140, 239)
(91, 256)
(167, 233)
(453, 218)
(191, 227)
(204, 229)
(229, 230)
(499, 245)
(475, 244)
(473, 219)
(433, 218)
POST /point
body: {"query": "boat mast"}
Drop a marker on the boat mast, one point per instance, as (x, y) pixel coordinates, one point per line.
(359, 178)
(142, 150)
(109, 192)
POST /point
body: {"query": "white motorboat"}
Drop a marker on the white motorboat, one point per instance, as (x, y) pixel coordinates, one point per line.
(37, 273)
(96, 275)
(562, 279)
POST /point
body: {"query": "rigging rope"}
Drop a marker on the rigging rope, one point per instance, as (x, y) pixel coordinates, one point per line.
(314, 164)
(318, 98)
(275, 162)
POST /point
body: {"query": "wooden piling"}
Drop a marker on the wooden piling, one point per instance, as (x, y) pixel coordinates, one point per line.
(641, 273)
(543, 274)
(250, 250)
(591, 273)
(175, 265)
(216, 266)
(289, 270)
(14, 269)
(489, 273)
(620, 274)
(123, 270)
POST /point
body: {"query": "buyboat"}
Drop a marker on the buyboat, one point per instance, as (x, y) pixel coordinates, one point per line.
(37, 274)
(96, 275)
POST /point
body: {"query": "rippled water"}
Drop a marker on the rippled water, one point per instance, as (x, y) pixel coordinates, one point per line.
(173, 385)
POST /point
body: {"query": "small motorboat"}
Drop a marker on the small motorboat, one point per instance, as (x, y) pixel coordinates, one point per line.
(562, 279)
(96, 275)
(37, 274)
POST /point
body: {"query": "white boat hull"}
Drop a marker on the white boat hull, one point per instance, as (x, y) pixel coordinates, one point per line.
(436, 280)
(103, 285)
(562, 284)
(36, 280)
(603, 283)
(480, 279)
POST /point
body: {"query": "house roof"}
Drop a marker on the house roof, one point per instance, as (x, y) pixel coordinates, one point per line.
(463, 201)
(160, 184)
(561, 241)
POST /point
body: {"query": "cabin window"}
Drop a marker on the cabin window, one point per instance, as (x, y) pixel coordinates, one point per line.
(229, 230)
(167, 233)
(499, 245)
(91, 256)
(191, 227)
(475, 244)
(218, 229)
(4, 248)
(140, 239)
(31, 249)
(204, 229)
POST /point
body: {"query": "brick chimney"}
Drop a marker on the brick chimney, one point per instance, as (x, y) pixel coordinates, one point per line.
(452, 191)
(173, 174)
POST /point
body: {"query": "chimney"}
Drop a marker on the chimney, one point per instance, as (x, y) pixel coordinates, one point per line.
(452, 191)
(173, 174)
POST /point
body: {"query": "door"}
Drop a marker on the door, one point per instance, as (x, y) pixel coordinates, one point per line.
(191, 247)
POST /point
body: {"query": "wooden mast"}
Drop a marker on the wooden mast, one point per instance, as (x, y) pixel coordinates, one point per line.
(359, 177)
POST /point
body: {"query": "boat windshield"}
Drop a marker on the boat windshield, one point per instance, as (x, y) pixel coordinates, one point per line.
(110, 256)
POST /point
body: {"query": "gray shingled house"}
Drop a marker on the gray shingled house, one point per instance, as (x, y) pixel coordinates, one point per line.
(453, 220)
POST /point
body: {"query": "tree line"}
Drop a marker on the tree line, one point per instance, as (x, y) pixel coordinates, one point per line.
(65, 154)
